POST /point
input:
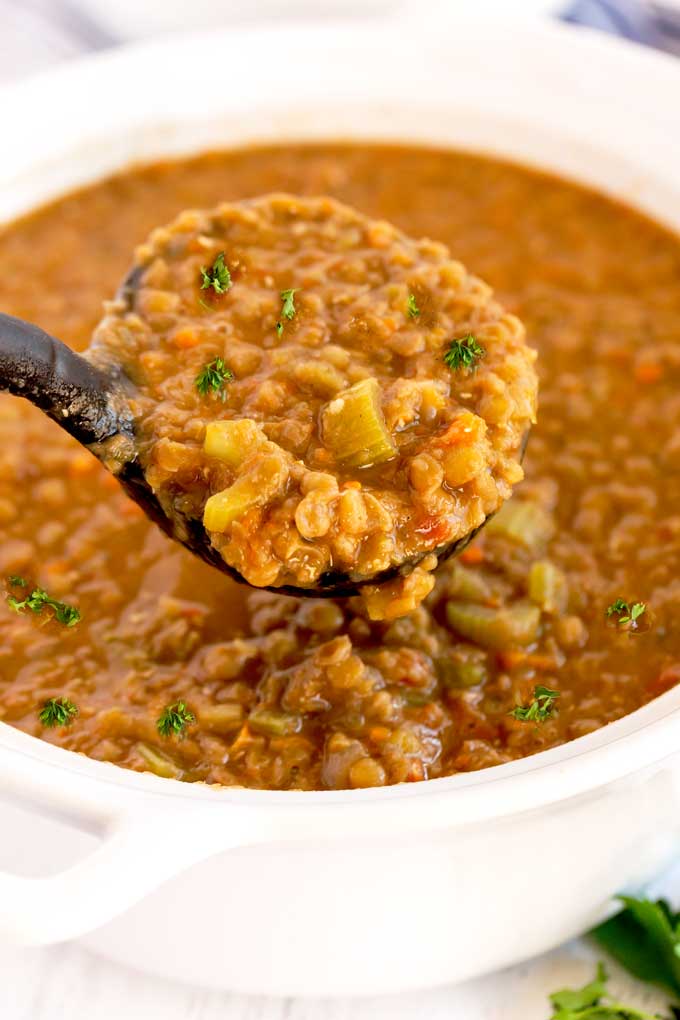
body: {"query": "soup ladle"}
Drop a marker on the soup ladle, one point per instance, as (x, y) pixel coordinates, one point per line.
(93, 406)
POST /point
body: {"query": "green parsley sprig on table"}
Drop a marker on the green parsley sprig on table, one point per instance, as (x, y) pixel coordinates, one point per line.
(288, 308)
(213, 378)
(174, 719)
(593, 1003)
(540, 708)
(464, 354)
(218, 276)
(57, 712)
(38, 599)
(645, 939)
(624, 612)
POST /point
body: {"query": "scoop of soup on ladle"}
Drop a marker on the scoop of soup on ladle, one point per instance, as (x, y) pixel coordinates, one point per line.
(307, 399)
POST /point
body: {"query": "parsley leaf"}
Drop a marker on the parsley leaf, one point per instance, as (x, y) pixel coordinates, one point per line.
(412, 307)
(38, 599)
(645, 939)
(213, 377)
(218, 276)
(464, 353)
(586, 1003)
(625, 612)
(287, 308)
(589, 995)
(58, 712)
(174, 719)
(540, 709)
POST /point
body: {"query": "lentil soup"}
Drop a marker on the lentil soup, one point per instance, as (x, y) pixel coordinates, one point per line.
(561, 617)
(343, 401)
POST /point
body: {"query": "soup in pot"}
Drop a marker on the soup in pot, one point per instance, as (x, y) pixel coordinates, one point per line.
(559, 618)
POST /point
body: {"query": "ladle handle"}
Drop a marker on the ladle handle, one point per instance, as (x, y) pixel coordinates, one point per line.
(62, 384)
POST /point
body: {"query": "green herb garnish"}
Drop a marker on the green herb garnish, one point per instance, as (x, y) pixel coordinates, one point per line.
(58, 712)
(540, 709)
(645, 939)
(464, 353)
(412, 307)
(287, 308)
(38, 599)
(213, 378)
(587, 1003)
(174, 719)
(218, 276)
(625, 612)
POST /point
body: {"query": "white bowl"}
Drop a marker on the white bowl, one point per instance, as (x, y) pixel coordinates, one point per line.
(364, 891)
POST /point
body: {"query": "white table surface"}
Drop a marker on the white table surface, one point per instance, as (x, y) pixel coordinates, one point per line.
(67, 982)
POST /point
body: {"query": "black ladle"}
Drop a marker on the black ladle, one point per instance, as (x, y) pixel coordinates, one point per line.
(93, 407)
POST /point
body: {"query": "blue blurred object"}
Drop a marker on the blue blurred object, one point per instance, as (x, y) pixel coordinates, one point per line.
(646, 23)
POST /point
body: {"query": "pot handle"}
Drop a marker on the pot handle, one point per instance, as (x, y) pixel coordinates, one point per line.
(134, 859)
(142, 846)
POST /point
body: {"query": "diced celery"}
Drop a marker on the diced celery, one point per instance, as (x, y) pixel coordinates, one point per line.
(232, 441)
(222, 718)
(252, 489)
(468, 585)
(548, 587)
(495, 628)
(524, 522)
(159, 763)
(460, 671)
(354, 426)
(271, 723)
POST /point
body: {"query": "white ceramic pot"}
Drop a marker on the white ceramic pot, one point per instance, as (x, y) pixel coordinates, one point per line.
(364, 891)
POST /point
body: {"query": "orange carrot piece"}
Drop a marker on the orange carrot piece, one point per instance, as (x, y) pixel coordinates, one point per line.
(378, 734)
(465, 429)
(474, 554)
(648, 372)
(185, 338)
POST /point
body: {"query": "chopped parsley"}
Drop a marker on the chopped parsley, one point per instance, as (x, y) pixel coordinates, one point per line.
(38, 599)
(174, 719)
(412, 309)
(213, 377)
(540, 708)
(624, 612)
(58, 712)
(593, 1003)
(218, 276)
(645, 939)
(287, 308)
(464, 354)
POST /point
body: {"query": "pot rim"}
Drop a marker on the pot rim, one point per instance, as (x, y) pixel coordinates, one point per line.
(629, 745)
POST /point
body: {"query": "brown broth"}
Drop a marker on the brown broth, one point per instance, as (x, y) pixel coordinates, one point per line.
(598, 287)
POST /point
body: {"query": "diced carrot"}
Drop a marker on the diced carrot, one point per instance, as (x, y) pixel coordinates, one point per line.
(510, 658)
(416, 772)
(57, 566)
(243, 738)
(648, 372)
(378, 734)
(474, 554)
(81, 464)
(185, 337)
(666, 679)
(434, 529)
(465, 429)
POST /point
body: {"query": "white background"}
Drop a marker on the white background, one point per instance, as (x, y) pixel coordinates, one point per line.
(66, 982)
